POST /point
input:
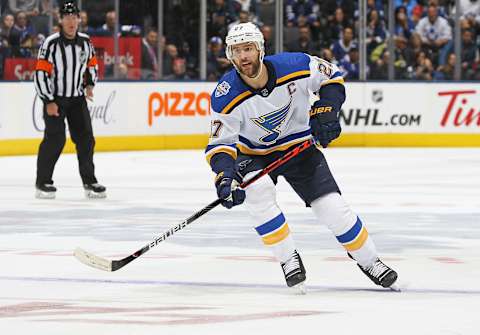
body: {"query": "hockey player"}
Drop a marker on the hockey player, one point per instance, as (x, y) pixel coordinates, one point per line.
(259, 110)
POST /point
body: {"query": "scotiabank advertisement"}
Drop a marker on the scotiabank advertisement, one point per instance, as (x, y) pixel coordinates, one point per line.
(183, 108)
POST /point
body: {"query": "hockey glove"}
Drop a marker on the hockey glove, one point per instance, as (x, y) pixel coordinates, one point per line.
(228, 190)
(324, 122)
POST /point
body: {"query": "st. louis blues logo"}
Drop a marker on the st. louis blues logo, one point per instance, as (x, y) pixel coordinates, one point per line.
(272, 122)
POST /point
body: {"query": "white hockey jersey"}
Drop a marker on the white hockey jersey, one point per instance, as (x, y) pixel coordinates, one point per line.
(275, 118)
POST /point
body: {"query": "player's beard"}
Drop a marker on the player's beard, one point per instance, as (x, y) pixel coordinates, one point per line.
(252, 70)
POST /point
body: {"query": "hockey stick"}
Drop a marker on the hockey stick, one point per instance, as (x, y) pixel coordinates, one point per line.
(113, 265)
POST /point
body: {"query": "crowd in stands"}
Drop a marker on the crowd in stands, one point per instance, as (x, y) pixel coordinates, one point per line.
(423, 39)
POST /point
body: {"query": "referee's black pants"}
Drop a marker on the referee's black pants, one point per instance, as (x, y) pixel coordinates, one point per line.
(76, 112)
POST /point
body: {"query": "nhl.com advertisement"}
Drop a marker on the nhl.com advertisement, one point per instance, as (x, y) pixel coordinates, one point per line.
(172, 108)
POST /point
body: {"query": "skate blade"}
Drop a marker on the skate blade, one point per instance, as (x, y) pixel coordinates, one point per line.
(395, 288)
(95, 195)
(44, 195)
(299, 289)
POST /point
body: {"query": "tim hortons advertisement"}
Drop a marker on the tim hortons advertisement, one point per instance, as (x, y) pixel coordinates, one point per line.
(411, 108)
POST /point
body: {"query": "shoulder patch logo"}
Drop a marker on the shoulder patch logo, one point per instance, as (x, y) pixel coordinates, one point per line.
(43, 52)
(83, 57)
(222, 89)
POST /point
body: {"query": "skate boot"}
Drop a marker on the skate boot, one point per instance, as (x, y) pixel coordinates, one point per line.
(379, 273)
(45, 191)
(95, 191)
(294, 272)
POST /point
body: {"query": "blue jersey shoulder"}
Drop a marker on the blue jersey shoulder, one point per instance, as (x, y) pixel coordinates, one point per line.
(229, 90)
(286, 63)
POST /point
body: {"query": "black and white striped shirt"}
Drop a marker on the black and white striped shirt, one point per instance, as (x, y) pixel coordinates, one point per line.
(65, 67)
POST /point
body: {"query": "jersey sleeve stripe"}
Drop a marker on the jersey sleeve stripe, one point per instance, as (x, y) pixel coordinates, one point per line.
(338, 80)
(92, 62)
(293, 76)
(43, 65)
(252, 150)
(212, 150)
(235, 102)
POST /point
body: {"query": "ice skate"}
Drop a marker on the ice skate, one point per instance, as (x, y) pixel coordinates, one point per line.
(45, 191)
(294, 272)
(380, 274)
(95, 191)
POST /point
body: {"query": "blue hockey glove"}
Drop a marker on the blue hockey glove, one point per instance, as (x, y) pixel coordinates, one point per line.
(228, 190)
(324, 122)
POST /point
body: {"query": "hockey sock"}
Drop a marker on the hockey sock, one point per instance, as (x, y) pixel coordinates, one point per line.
(275, 234)
(347, 227)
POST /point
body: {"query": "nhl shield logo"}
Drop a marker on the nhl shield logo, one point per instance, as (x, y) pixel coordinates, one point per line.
(83, 57)
(222, 89)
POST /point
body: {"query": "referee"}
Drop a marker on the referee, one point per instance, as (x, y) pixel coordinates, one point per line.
(65, 74)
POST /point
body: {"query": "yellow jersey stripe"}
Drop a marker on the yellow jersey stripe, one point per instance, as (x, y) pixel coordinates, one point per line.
(338, 80)
(293, 75)
(246, 150)
(278, 236)
(232, 103)
(358, 242)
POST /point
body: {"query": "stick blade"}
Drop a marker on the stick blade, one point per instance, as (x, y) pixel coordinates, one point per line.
(92, 260)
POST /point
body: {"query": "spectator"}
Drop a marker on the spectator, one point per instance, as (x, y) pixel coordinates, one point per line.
(404, 59)
(417, 14)
(469, 54)
(341, 47)
(447, 71)
(220, 15)
(268, 37)
(376, 32)
(403, 24)
(304, 42)
(6, 27)
(436, 34)
(84, 27)
(190, 59)
(41, 22)
(123, 72)
(217, 63)
(96, 11)
(335, 27)
(329, 7)
(20, 35)
(250, 6)
(379, 69)
(371, 6)
(468, 8)
(149, 69)
(423, 67)
(306, 8)
(243, 17)
(108, 29)
(171, 53)
(29, 7)
(409, 5)
(327, 54)
(179, 70)
(349, 64)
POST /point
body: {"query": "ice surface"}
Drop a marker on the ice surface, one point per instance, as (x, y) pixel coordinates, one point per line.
(422, 207)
